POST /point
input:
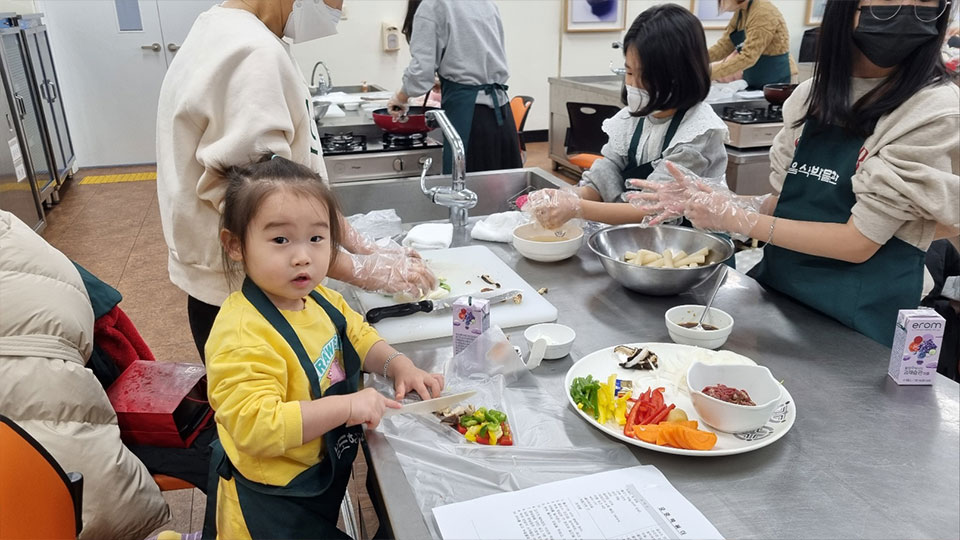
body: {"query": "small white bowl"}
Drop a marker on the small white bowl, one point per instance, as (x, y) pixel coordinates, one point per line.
(539, 244)
(351, 105)
(708, 339)
(559, 339)
(764, 390)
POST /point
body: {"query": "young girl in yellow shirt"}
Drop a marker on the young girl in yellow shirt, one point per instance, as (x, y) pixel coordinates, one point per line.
(284, 360)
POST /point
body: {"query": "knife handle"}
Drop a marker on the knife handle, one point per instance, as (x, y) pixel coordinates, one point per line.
(376, 315)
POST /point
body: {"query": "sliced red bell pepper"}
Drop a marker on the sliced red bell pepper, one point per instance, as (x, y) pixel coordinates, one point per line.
(663, 414)
(632, 419)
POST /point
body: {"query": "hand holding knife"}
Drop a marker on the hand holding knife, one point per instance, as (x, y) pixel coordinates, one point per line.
(376, 315)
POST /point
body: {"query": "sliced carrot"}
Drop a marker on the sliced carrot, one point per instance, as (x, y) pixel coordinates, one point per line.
(647, 433)
(682, 436)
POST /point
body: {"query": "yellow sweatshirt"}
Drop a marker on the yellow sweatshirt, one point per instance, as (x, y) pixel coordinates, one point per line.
(766, 34)
(255, 383)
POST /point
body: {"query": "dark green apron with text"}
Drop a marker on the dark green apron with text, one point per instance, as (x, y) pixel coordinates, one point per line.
(458, 101)
(308, 506)
(818, 187)
(768, 69)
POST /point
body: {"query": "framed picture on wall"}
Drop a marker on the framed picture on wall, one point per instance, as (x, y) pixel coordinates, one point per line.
(709, 14)
(815, 12)
(595, 15)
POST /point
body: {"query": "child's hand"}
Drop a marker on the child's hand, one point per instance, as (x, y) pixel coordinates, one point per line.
(367, 407)
(407, 376)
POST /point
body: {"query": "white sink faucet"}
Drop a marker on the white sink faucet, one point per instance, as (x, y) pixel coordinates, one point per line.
(456, 197)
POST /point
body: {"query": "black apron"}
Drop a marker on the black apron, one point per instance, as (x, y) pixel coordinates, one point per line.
(308, 506)
(818, 187)
(458, 101)
(769, 69)
(643, 170)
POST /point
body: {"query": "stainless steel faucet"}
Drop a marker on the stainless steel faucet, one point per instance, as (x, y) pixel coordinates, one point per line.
(325, 83)
(456, 197)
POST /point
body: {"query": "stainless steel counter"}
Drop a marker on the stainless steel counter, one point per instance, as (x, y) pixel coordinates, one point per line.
(866, 458)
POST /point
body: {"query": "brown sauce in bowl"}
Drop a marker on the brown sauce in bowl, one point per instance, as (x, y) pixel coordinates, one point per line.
(693, 325)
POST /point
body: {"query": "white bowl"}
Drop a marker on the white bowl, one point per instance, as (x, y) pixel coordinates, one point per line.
(534, 242)
(559, 339)
(708, 339)
(764, 390)
(351, 105)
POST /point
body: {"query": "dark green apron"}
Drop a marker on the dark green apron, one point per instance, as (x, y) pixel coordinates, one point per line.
(458, 101)
(643, 170)
(818, 187)
(768, 69)
(308, 506)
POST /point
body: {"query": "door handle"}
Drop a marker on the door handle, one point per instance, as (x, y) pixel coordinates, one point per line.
(155, 47)
(21, 107)
(54, 93)
(44, 93)
(172, 47)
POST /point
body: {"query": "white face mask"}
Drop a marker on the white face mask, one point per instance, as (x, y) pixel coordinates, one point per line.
(637, 98)
(311, 19)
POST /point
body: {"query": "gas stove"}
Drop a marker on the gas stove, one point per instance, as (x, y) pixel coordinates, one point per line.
(752, 124)
(376, 155)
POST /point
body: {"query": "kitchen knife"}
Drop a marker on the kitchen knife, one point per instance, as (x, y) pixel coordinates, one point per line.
(431, 405)
(376, 315)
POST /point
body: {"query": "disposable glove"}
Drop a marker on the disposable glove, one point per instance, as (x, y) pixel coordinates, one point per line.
(397, 105)
(553, 207)
(392, 272)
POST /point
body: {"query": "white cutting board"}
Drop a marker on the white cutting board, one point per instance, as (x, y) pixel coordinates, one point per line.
(458, 266)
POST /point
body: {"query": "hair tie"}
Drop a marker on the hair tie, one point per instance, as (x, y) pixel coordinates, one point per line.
(273, 157)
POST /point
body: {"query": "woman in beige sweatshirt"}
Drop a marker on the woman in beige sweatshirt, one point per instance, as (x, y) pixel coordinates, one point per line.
(866, 169)
(232, 93)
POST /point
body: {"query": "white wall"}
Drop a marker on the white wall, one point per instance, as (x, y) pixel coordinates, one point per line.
(17, 6)
(537, 47)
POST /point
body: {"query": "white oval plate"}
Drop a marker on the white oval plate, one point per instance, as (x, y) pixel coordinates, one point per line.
(671, 374)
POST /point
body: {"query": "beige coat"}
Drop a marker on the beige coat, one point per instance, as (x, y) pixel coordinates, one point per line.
(46, 335)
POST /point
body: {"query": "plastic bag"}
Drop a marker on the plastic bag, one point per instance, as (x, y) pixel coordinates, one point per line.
(377, 224)
(550, 442)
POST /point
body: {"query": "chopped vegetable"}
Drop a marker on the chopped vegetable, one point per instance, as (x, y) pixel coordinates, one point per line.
(444, 285)
(585, 393)
(485, 426)
(677, 415)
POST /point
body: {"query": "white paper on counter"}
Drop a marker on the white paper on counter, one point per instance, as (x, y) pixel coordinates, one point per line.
(633, 503)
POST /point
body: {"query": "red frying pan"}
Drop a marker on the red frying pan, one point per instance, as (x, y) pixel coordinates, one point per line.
(416, 121)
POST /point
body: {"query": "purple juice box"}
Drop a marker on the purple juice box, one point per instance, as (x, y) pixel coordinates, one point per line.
(471, 317)
(916, 346)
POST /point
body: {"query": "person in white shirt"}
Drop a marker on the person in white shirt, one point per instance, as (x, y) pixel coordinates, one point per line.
(233, 92)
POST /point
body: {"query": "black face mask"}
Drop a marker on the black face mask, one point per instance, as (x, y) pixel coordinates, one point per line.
(888, 34)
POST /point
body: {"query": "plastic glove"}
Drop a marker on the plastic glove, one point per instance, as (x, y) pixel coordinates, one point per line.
(392, 272)
(397, 105)
(707, 203)
(356, 242)
(553, 207)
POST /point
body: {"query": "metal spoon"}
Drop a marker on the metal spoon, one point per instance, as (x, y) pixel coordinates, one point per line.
(722, 271)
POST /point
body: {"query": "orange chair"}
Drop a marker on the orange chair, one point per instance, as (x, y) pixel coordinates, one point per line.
(520, 105)
(585, 136)
(171, 483)
(37, 499)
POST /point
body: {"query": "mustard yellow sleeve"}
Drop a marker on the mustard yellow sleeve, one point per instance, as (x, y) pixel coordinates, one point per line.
(246, 387)
(760, 29)
(723, 47)
(361, 335)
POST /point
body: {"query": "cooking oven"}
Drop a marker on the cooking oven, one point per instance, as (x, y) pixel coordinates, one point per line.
(372, 154)
(752, 125)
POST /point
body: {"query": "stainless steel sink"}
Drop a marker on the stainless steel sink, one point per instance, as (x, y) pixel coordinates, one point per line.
(493, 188)
(357, 89)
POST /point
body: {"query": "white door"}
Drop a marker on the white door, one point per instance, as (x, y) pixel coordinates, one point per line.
(111, 56)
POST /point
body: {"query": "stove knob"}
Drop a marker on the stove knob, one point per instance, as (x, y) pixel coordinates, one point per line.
(398, 164)
(422, 160)
(339, 168)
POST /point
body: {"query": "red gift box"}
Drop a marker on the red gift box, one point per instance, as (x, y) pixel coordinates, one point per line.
(161, 403)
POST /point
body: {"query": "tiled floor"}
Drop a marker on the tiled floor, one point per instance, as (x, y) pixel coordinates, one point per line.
(114, 231)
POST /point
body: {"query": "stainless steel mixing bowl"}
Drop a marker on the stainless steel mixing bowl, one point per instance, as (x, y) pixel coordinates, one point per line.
(611, 243)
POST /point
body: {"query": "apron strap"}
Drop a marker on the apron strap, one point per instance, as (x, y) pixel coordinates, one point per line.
(491, 90)
(270, 312)
(634, 143)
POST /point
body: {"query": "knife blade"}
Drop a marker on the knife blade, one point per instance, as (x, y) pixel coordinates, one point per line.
(431, 405)
(376, 315)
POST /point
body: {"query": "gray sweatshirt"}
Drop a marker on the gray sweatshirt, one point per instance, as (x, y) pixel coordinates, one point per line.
(462, 41)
